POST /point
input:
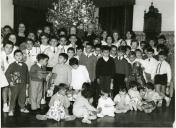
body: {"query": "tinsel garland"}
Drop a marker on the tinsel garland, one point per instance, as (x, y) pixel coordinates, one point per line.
(66, 13)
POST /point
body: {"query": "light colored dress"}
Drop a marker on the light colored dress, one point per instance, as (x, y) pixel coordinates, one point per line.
(107, 107)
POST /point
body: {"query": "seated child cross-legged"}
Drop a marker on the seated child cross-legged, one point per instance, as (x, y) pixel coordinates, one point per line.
(135, 98)
(122, 101)
(105, 105)
(58, 106)
(150, 98)
(82, 106)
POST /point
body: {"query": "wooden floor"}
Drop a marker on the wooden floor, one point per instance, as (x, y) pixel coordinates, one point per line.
(161, 117)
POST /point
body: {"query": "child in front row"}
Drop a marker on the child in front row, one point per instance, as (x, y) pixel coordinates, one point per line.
(150, 97)
(82, 106)
(18, 77)
(122, 101)
(58, 105)
(135, 98)
(37, 80)
(105, 105)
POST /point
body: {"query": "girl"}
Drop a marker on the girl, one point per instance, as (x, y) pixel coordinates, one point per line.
(104, 35)
(122, 101)
(58, 106)
(129, 36)
(109, 40)
(21, 33)
(163, 76)
(134, 96)
(105, 105)
(134, 45)
(82, 106)
(150, 98)
(116, 39)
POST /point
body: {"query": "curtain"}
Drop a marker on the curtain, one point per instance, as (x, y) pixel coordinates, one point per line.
(116, 18)
(31, 17)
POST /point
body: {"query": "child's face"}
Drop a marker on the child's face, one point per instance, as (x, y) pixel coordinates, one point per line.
(74, 66)
(109, 40)
(120, 53)
(135, 88)
(106, 53)
(61, 60)
(7, 31)
(149, 54)
(122, 92)
(47, 30)
(62, 92)
(162, 57)
(79, 52)
(85, 42)
(70, 53)
(81, 26)
(62, 33)
(29, 45)
(73, 39)
(132, 58)
(53, 42)
(12, 38)
(31, 36)
(21, 28)
(161, 41)
(72, 30)
(98, 51)
(128, 35)
(88, 49)
(44, 62)
(134, 45)
(104, 34)
(63, 41)
(142, 45)
(123, 43)
(39, 31)
(138, 54)
(8, 49)
(115, 35)
(127, 51)
(18, 56)
(44, 40)
(113, 51)
(96, 41)
(151, 43)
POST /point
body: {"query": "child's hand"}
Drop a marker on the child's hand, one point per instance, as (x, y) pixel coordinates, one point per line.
(48, 76)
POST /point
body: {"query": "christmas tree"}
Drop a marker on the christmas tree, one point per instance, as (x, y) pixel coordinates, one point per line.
(66, 13)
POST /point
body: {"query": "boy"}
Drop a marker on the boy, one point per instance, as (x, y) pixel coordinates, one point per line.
(149, 65)
(79, 51)
(44, 42)
(6, 59)
(113, 52)
(97, 51)
(79, 74)
(62, 44)
(62, 70)
(18, 77)
(73, 41)
(134, 45)
(30, 53)
(37, 80)
(89, 60)
(52, 52)
(70, 53)
(105, 69)
(121, 70)
(163, 76)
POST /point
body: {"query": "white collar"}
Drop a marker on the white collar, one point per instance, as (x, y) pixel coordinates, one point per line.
(39, 65)
(106, 58)
(19, 63)
(90, 54)
(113, 56)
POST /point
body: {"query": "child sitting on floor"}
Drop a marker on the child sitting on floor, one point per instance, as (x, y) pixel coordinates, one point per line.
(82, 106)
(105, 105)
(150, 98)
(58, 106)
(122, 101)
(134, 96)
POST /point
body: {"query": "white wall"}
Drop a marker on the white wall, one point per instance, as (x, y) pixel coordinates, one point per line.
(166, 7)
(7, 12)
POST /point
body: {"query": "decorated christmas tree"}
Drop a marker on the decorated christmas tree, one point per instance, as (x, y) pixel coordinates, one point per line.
(65, 13)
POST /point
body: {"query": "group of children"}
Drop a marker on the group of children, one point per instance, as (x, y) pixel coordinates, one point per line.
(102, 77)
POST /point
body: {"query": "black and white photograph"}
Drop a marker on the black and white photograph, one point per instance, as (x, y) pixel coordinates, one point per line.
(87, 63)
